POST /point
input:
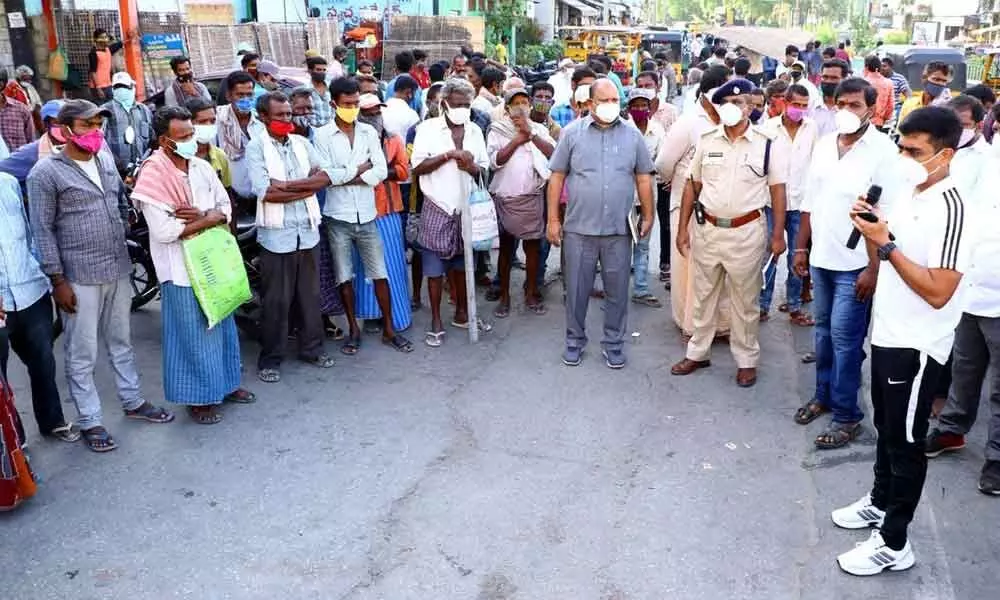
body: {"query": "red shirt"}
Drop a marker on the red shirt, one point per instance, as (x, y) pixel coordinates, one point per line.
(842, 55)
(422, 77)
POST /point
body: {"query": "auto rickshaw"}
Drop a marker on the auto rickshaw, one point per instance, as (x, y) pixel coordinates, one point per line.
(673, 41)
(991, 69)
(909, 61)
(620, 43)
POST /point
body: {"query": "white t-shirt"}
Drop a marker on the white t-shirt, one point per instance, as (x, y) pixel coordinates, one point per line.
(90, 168)
(932, 230)
(835, 184)
(398, 117)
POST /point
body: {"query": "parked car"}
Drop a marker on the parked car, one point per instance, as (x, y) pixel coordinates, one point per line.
(289, 79)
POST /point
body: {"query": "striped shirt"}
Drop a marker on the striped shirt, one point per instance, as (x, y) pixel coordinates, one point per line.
(931, 230)
(322, 109)
(899, 87)
(22, 282)
(79, 228)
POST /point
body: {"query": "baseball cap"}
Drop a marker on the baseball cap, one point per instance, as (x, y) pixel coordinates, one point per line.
(122, 78)
(641, 93)
(369, 101)
(50, 109)
(268, 68)
(509, 95)
(80, 109)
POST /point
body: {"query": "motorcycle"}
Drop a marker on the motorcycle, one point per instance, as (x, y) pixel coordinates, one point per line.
(539, 72)
(145, 286)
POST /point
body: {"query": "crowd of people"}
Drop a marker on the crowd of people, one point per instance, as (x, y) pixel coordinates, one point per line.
(356, 190)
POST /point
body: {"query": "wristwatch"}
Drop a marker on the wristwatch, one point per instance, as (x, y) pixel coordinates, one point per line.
(886, 250)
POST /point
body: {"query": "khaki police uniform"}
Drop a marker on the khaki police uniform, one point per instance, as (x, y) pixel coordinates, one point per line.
(731, 245)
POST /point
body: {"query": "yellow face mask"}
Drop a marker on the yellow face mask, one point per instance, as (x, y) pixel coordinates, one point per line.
(348, 115)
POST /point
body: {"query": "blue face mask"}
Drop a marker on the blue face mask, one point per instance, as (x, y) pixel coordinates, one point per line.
(244, 105)
(755, 115)
(124, 96)
(186, 150)
(934, 89)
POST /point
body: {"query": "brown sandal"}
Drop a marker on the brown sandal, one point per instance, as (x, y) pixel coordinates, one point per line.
(801, 318)
(809, 412)
(838, 436)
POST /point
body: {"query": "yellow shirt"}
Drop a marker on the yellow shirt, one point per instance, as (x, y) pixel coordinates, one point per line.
(220, 164)
(916, 101)
(501, 54)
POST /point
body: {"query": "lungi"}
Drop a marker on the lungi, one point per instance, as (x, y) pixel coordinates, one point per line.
(329, 295)
(390, 227)
(200, 365)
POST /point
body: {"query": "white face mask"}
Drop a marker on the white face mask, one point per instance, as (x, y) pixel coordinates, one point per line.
(967, 136)
(458, 116)
(847, 122)
(730, 115)
(607, 112)
(205, 134)
(913, 172)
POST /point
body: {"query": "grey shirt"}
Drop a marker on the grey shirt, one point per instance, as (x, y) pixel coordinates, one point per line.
(600, 166)
(79, 228)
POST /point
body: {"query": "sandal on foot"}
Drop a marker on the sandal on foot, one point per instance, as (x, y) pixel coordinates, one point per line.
(809, 412)
(648, 300)
(240, 396)
(838, 436)
(65, 433)
(398, 343)
(372, 327)
(764, 316)
(415, 305)
(537, 307)
(665, 275)
(269, 375)
(801, 318)
(434, 339)
(98, 439)
(783, 307)
(205, 415)
(351, 346)
(484, 327)
(152, 414)
(808, 358)
(502, 311)
(323, 361)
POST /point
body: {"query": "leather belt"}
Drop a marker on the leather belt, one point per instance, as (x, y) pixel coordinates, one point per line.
(734, 222)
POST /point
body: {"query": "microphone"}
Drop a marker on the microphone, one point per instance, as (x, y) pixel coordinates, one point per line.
(874, 193)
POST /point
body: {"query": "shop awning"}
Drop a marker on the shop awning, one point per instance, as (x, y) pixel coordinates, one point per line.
(580, 6)
(769, 41)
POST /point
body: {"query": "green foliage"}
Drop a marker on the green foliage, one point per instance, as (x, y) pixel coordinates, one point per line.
(826, 35)
(529, 54)
(862, 34)
(896, 37)
(502, 19)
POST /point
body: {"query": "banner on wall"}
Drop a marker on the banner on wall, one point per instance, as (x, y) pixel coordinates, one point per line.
(351, 12)
(157, 50)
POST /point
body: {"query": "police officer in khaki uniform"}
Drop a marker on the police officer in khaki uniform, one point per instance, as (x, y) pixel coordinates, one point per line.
(736, 169)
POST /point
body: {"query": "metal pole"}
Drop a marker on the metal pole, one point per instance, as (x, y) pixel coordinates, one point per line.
(470, 272)
(129, 11)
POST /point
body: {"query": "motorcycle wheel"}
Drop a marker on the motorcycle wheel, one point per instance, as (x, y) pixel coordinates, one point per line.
(145, 286)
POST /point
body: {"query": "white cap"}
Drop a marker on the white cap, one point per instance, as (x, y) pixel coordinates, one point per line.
(122, 78)
(582, 93)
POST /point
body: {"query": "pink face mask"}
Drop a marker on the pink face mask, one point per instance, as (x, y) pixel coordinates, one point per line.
(794, 113)
(89, 142)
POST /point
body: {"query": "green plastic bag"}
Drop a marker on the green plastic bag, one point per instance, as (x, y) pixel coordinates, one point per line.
(215, 268)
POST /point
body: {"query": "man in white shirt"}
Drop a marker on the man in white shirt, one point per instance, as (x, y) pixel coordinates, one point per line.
(914, 320)
(357, 162)
(834, 71)
(397, 116)
(795, 134)
(561, 82)
(978, 334)
(844, 166)
(975, 161)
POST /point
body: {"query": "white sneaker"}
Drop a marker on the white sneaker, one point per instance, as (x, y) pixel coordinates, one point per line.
(860, 515)
(871, 557)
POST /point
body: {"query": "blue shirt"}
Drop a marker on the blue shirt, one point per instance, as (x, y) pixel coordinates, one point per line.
(22, 281)
(417, 103)
(297, 233)
(19, 164)
(562, 114)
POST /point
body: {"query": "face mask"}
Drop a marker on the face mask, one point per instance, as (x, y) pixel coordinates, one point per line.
(796, 75)
(301, 122)
(607, 112)
(639, 115)
(186, 150)
(89, 142)
(57, 135)
(458, 116)
(541, 107)
(269, 85)
(730, 115)
(828, 89)
(281, 128)
(206, 133)
(124, 96)
(244, 105)
(934, 89)
(967, 136)
(375, 121)
(755, 115)
(184, 78)
(914, 172)
(794, 114)
(348, 115)
(518, 111)
(319, 77)
(847, 122)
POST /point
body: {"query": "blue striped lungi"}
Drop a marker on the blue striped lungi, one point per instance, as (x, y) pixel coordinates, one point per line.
(330, 303)
(390, 227)
(200, 365)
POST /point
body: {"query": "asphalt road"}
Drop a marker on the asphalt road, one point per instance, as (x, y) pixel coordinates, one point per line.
(487, 472)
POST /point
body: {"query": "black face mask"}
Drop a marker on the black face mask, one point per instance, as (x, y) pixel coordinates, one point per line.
(828, 89)
(318, 77)
(185, 78)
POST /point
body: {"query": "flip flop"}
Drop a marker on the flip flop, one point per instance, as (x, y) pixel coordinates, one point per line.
(483, 325)
(66, 433)
(269, 375)
(502, 311)
(351, 346)
(801, 318)
(399, 344)
(98, 439)
(434, 339)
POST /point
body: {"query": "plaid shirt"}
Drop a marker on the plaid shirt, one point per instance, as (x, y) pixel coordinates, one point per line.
(16, 125)
(562, 114)
(141, 120)
(322, 111)
(79, 230)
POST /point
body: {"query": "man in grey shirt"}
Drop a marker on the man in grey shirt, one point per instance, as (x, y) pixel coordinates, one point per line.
(78, 215)
(603, 161)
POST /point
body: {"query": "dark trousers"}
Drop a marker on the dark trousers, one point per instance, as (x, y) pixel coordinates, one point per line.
(289, 281)
(663, 215)
(29, 333)
(976, 353)
(903, 382)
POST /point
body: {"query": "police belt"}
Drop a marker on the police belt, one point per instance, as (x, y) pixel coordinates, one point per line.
(733, 223)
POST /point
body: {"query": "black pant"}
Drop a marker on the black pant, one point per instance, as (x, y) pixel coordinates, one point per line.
(29, 333)
(289, 280)
(663, 214)
(944, 381)
(903, 385)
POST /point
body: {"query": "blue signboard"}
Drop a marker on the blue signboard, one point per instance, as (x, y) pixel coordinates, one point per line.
(157, 50)
(349, 12)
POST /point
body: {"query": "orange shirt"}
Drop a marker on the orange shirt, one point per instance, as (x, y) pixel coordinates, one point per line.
(388, 197)
(885, 104)
(102, 76)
